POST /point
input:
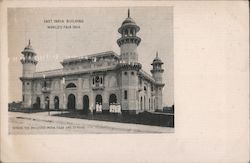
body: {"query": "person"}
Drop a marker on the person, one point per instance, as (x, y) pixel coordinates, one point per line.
(100, 108)
(119, 108)
(91, 108)
(112, 108)
(115, 108)
(97, 107)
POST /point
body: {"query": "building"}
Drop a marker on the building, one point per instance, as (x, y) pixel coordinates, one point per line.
(105, 79)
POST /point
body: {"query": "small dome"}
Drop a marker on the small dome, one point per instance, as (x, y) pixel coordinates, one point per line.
(157, 59)
(128, 21)
(28, 49)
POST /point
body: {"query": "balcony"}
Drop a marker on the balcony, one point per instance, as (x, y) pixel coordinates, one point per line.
(98, 86)
(46, 90)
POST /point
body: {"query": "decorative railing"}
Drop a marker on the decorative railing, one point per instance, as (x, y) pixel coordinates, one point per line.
(97, 86)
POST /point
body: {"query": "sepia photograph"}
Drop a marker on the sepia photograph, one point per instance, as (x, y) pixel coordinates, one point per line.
(124, 81)
(72, 72)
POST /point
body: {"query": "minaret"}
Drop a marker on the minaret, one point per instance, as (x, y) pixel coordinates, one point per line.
(29, 62)
(129, 65)
(29, 68)
(157, 73)
(129, 41)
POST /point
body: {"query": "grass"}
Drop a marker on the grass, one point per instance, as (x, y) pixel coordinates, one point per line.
(28, 110)
(145, 118)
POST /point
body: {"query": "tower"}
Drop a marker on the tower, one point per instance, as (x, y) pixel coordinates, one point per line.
(129, 65)
(129, 41)
(157, 73)
(29, 67)
(29, 62)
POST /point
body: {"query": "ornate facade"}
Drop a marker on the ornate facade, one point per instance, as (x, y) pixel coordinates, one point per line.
(105, 78)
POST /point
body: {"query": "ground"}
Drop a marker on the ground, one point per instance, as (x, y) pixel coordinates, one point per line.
(42, 123)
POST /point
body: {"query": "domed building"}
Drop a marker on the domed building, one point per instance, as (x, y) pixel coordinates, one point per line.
(104, 82)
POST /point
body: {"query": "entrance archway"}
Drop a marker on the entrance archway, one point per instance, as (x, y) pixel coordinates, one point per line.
(98, 99)
(47, 102)
(85, 104)
(71, 101)
(112, 99)
(56, 102)
(38, 102)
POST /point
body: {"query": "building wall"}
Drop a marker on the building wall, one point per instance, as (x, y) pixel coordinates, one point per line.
(129, 52)
(114, 82)
(28, 69)
(142, 95)
(27, 93)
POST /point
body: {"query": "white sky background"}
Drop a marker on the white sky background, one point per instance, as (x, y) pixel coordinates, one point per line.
(97, 34)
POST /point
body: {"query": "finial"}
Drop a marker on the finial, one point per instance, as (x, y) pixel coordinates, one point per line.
(157, 54)
(29, 41)
(128, 13)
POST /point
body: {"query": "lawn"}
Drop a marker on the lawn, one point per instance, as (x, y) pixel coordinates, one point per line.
(146, 118)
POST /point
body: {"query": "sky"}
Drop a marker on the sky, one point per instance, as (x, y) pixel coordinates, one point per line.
(97, 32)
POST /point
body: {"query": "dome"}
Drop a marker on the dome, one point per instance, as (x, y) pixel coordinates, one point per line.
(128, 21)
(28, 49)
(157, 60)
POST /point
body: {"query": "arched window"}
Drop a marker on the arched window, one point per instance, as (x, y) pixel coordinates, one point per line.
(154, 104)
(149, 104)
(38, 102)
(71, 85)
(98, 99)
(47, 102)
(144, 102)
(112, 99)
(126, 32)
(56, 102)
(141, 103)
(71, 101)
(85, 104)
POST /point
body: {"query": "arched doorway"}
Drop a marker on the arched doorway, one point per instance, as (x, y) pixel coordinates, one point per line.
(112, 103)
(98, 99)
(112, 99)
(47, 102)
(38, 102)
(71, 101)
(85, 104)
(56, 102)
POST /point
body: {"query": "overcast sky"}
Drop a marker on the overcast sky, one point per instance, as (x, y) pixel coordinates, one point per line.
(97, 33)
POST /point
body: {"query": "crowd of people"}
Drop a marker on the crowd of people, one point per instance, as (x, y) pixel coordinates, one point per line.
(115, 108)
(98, 108)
